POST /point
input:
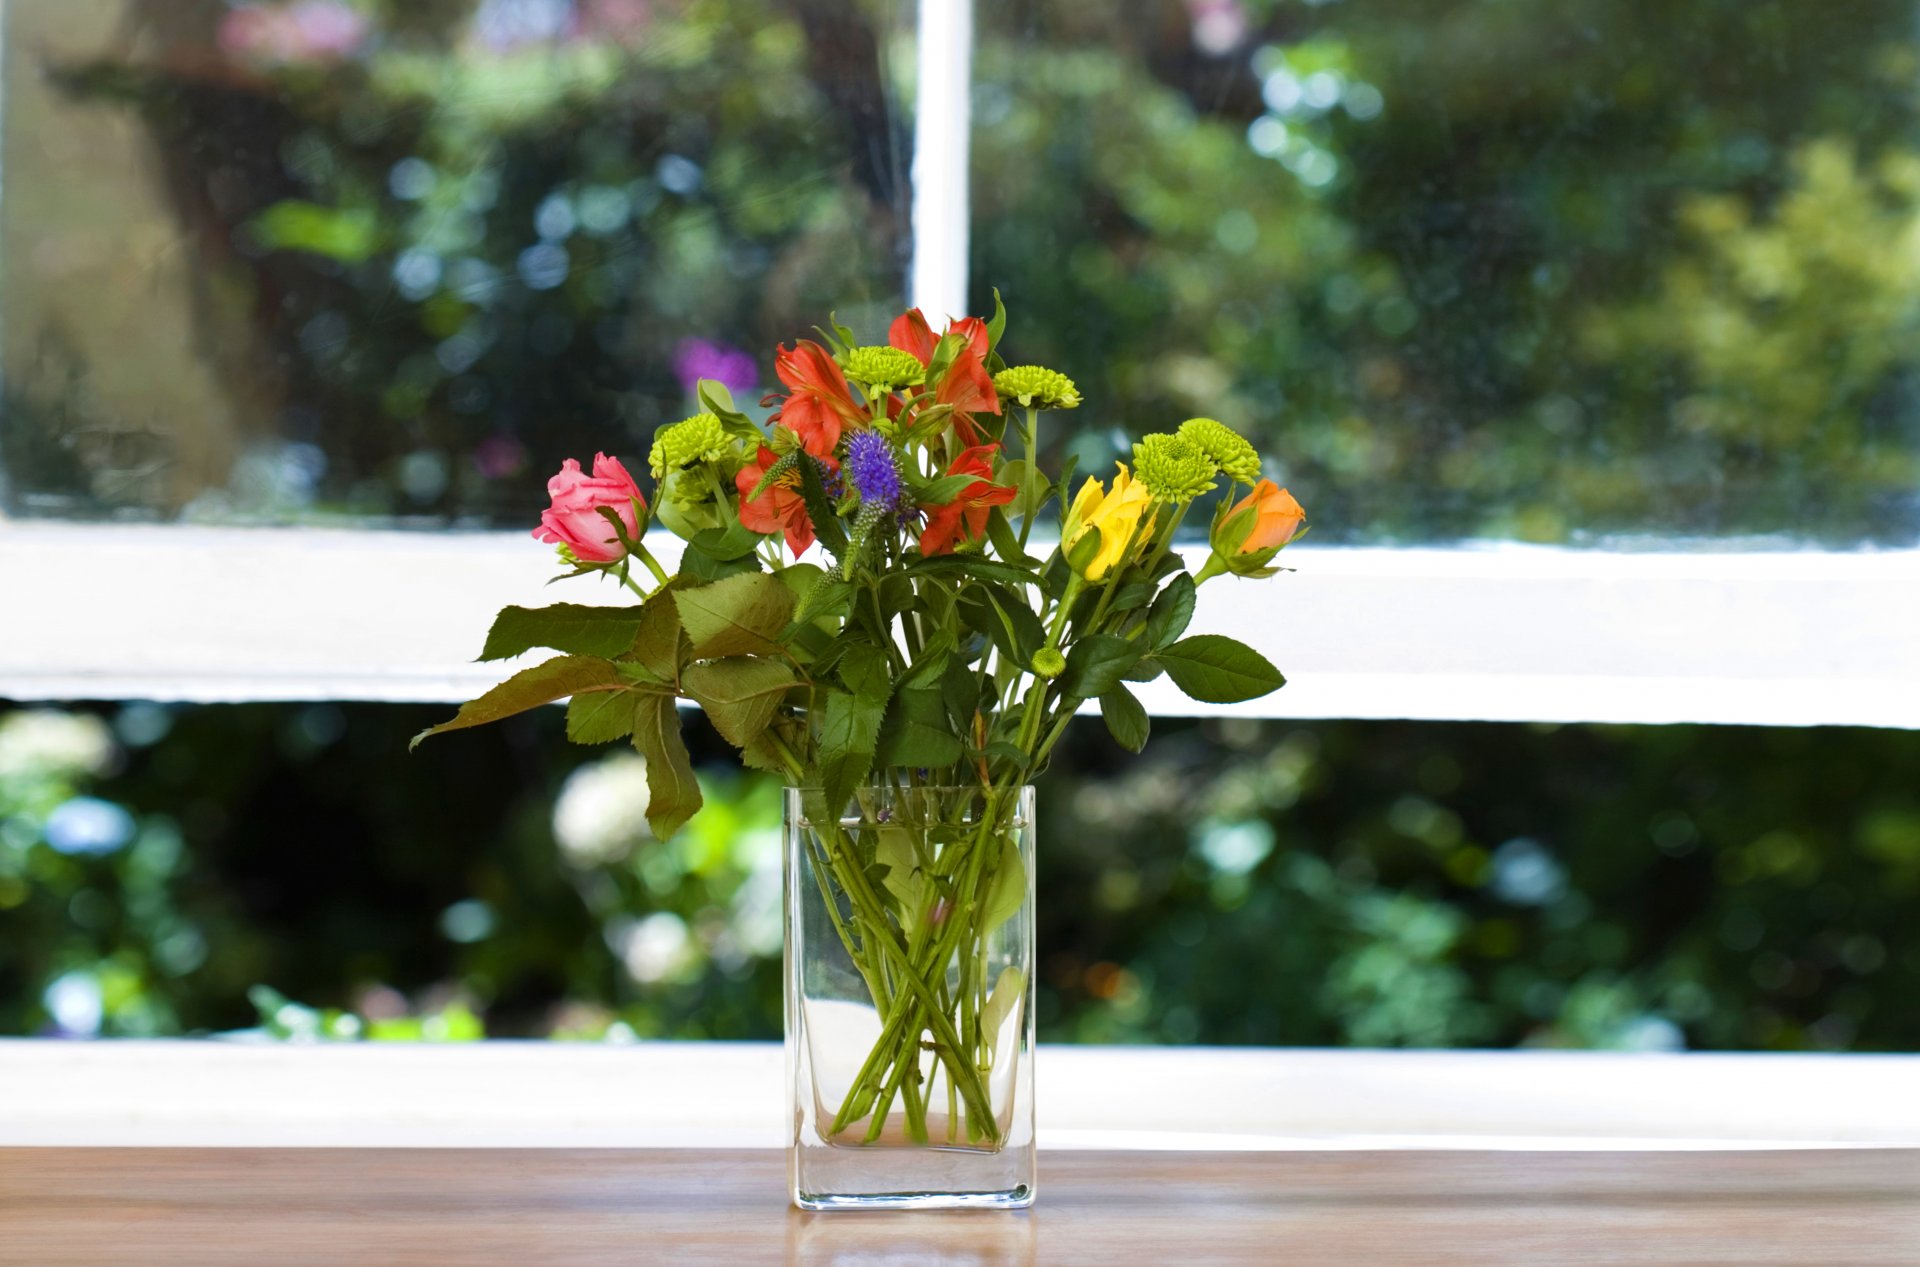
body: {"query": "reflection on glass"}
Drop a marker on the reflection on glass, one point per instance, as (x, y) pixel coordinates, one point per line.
(313, 259)
(1630, 268)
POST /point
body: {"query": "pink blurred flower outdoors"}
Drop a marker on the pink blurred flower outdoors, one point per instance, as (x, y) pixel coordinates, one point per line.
(574, 520)
(306, 31)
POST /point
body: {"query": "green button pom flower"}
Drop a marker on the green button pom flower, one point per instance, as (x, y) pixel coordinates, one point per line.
(1173, 469)
(1229, 451)
(887, 367)
(1036, 387)
(678, 445)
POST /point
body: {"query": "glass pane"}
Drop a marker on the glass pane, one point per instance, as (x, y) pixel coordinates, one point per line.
(1610, 271)
(318, 259)
(290, 869)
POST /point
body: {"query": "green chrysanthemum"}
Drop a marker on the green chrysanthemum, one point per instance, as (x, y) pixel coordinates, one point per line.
(1049, 663)
(884, 367)
(678, 445)
(1036, 387)
(1228, 449)
(1173, 470)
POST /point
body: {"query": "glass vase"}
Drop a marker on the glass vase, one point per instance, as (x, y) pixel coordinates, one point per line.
(909, 998)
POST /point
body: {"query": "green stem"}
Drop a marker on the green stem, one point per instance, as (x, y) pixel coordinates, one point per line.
(1026, 479)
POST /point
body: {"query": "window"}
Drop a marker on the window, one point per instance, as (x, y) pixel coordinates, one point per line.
(1474, 278)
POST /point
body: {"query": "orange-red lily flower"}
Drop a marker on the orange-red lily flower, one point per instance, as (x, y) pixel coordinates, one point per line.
(965, 517)
(966, 385)
(911, 333)
(779, 508)
(819, 404)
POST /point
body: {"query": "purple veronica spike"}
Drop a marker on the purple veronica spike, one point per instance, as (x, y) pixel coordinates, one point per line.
(870, 466)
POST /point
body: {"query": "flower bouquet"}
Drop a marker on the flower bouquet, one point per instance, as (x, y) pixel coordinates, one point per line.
(908, 682)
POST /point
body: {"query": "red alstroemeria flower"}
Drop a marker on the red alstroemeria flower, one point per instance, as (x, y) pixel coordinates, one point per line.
(965, 517)
(911, 333)
(780, 508)
(820, 405)
(966, 385)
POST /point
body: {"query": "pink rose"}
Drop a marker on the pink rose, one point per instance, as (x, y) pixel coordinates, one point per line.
(575, 521)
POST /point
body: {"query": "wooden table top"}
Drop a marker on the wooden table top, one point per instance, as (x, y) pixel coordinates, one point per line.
(455, 1206)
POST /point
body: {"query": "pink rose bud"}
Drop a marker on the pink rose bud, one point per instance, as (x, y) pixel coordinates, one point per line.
(575, 521)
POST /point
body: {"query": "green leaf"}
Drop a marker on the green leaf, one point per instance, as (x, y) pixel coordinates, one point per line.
(1014, 629)
(863, 667)
(542, 684)
(657, 644)
(997, 323)
(1126, 719)
(718, 401)
(1145, 669)
(1218, 670)
(673, 791)
(1009, 991)
(829, 600)
(698, 566)
(1005, 543)
(739, 693)
(893, 849)
(849, 736)
(960, 690)
(739, 615)
(1167, 619)
(600, 717)
(1096, 663)
(566, 627)
(917, 733)
(1007, 891)
(735, 541)
(826, 523)
(971, 566)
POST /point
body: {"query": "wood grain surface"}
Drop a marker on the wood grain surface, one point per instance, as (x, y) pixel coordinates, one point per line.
(418, 1206)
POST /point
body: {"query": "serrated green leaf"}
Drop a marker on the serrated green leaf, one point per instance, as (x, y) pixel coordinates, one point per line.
(600, 717)
(542, 684)
(657, 644)
(849, 736)
(739, 693)
(863, 668)
(571, 628)
(916, 733)
(1170, 614)
(673, 791)
(1096, 663)
(1126, 719)
(740, 615)
(1216, 669)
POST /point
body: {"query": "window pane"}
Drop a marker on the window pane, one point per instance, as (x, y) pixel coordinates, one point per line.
(313, 259)
(173, 870)
(1614, 269)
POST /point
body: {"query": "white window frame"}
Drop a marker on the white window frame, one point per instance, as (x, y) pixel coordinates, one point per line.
(1481, 632)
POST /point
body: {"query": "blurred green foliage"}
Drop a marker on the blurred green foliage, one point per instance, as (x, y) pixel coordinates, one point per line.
(1602, 270)
(1365, 883)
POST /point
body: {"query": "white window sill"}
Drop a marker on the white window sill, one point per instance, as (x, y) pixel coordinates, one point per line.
(1492, 633)
(657, 1095)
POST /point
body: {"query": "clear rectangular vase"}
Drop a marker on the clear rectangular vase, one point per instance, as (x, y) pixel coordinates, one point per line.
(909, 998)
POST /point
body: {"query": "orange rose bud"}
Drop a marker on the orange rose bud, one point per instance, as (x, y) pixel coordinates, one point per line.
(1275, 517)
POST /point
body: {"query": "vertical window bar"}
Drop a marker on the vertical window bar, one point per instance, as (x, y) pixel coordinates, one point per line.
(943, 118)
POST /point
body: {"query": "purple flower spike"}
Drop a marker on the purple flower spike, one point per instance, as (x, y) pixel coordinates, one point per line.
(870, 466)
(695, 359)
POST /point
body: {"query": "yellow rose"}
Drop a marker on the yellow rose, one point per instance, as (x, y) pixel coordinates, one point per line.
(1116, 513)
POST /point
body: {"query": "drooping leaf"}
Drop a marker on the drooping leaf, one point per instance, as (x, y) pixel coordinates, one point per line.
(739, 693)
(600, 717)
(571, 628)
(673, 791)
(542, 684)
(1096, 664)
(740, 615)
(1216, 669)
(1126, 719)
(1167, 619)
